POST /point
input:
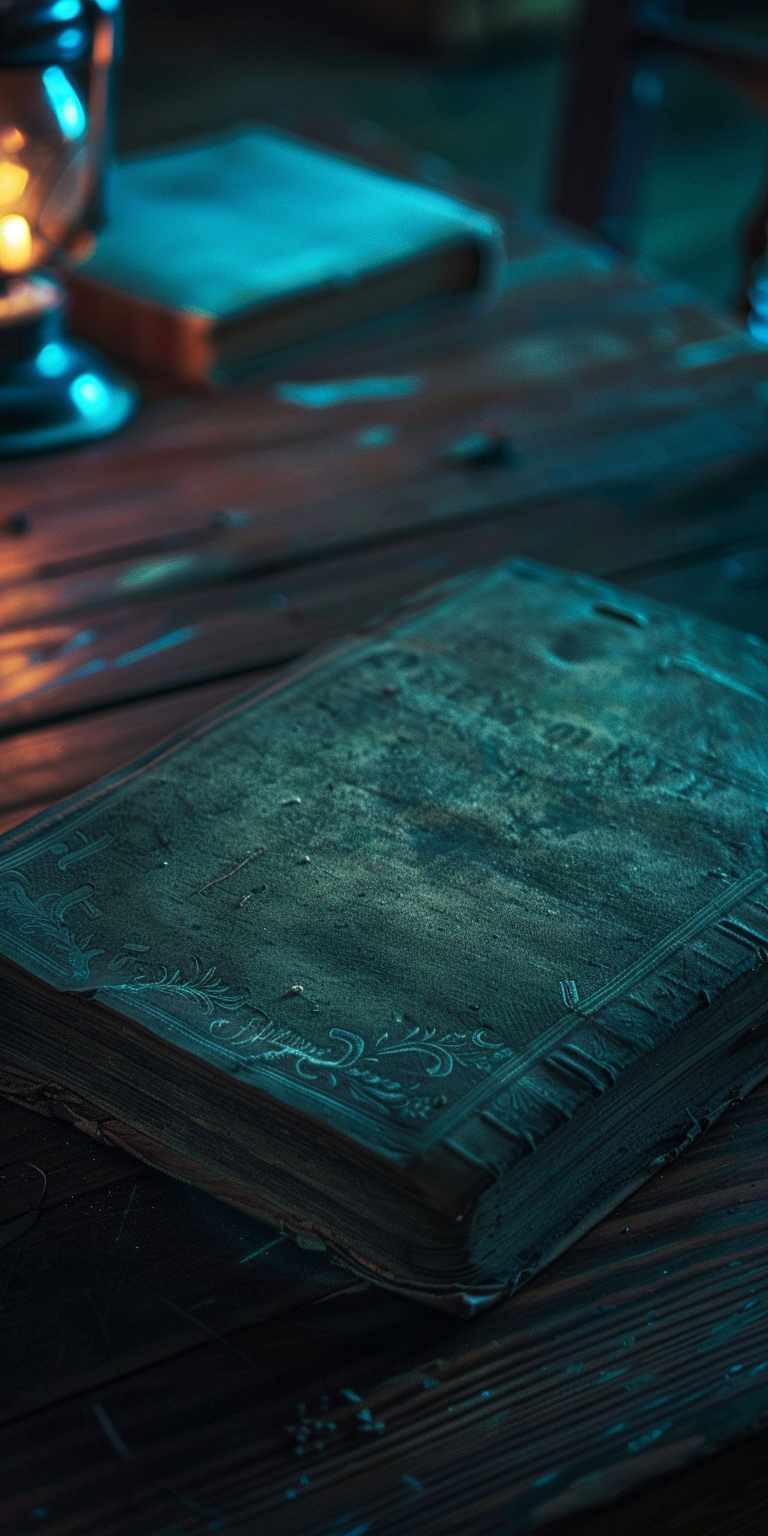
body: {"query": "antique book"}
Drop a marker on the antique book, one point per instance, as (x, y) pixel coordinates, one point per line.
(430, 950)
(219, 252)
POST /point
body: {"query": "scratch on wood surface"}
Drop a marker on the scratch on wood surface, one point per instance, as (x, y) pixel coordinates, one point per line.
(264, 1249)
(218, 1338)
(115, 1439)
(218, 878)
(126, 1212)
(214, 1520)
(16, 1230)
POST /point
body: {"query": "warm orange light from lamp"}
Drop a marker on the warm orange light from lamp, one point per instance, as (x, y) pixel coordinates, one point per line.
(15, 243)
(13, 180)
(12, 140)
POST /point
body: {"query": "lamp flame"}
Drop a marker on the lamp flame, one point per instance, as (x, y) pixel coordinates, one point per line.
(15, 243)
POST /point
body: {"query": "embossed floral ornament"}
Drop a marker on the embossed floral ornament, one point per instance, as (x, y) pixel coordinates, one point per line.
(203, 986)
(40, 920)
(345, 1060)
(393, 1076)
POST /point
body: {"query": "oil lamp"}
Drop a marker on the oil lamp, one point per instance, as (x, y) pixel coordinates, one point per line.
(55, 61)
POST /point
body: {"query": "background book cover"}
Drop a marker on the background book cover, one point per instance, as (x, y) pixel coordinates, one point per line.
(219, 251)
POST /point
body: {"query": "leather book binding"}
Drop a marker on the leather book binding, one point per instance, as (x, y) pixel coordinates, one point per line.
(222, 252)
(430, 950)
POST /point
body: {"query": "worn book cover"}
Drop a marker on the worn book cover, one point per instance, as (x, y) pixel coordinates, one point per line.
(219, 252)
(435, 947)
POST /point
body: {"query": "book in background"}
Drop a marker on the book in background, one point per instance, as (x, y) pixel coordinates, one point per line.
(221, 252)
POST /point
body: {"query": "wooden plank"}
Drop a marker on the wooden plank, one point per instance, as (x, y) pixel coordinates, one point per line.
(727, 1492)
(728, 585)
(644, 1347)
(46, 765)
(224, 534)
(596, 375)
(75, 662)
(122, 1266)
(731, 585)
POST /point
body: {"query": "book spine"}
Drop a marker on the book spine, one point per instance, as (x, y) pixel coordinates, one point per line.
(141, 333)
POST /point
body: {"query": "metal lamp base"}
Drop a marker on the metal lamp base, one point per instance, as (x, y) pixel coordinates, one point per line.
(54, 392)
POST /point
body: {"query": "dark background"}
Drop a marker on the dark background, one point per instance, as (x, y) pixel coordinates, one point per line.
(492, 112)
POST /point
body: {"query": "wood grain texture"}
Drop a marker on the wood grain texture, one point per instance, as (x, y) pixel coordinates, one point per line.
(43, 766)
(214, 536)
(644, 1347)
(152, 1355)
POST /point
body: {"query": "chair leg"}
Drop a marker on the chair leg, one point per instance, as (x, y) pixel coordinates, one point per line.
(593, 107)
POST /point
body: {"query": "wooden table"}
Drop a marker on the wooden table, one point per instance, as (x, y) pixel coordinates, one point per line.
(158, 1351)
